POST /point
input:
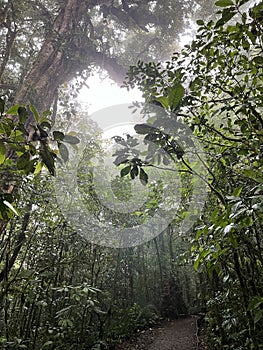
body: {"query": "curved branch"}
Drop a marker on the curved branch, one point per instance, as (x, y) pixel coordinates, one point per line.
(115, 70)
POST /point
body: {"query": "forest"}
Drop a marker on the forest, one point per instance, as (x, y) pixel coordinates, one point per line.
(104, 239)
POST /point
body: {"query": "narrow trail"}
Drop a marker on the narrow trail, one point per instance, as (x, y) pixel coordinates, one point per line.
(178, 334)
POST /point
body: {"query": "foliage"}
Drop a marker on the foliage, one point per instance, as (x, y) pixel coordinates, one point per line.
(129, 321)
(67, 293)
(44, 46)
(26, 148)
(221, 74)
(59, 291)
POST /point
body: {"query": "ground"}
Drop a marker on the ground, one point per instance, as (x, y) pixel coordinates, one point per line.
(181, 334)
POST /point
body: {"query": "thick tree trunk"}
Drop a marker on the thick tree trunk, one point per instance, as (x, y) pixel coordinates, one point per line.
(63, 53)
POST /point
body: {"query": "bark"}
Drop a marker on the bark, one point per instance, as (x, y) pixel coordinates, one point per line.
(10, 38)
(63, 53)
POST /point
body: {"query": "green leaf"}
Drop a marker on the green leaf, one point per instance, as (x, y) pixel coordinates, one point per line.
(22, 113)
(237, 191)
(2, 152)
(48, 160)
(227, 14)
(23, 161)
(134, 172)
(14, 109)
(2, 148)
(175, 96)
(258, 315)
(38, 168)
(143, 177)
(35, 112)
(255, 303)
(251, 174)
(224, 3)
(196, 263)
(121, 159)
(143, 129)
(258, 60)
(200, 22)
(257, 12)
(125, 171)
(71, 139)
(163, 101)
(58, 135)
(2, 105)
(63, 151)
(47, 114)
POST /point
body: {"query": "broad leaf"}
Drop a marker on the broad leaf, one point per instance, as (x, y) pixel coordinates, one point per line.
(58, 135)
(2, 152)
(227, 14)
(224, 3)
(143, 177)
(23, 161)
(125, 171)
(175, 96)
(2, 148)
(63, 152)
(134, 172)
(13, 110)
(35, 112)
(71, 139)
(48, 160)
(163, 101)
(23, 114)
(143, 129)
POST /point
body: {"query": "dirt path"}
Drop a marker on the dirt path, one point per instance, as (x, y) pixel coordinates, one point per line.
(173, 335)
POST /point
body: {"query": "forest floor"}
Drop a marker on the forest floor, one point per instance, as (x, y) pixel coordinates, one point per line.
(181, 334)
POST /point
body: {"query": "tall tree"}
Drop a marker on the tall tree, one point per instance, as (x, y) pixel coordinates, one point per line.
(215, 87)
(47, 43)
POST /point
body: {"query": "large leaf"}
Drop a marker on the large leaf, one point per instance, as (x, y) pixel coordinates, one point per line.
(71, 139)
(13, 110)
(63, 152)
(134, 172)
(35, 112)
(176, 93)
(143, 177)
(2, 152)
(224, 3)
(2, 148)
(48, 160)
(227, 14)
(125, 171)
(163, 101)
(22, 113)
(58, 135)
(143, 129)
(23, 161)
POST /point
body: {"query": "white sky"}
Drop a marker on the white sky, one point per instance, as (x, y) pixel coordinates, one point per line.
(105, 93)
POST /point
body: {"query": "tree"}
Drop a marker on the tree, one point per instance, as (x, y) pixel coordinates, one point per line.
(47, 43)
(215, 87)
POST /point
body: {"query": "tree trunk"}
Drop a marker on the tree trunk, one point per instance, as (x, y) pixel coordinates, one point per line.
(64, 52)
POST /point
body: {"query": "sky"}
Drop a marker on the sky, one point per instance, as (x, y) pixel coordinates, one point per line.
(105, 93)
